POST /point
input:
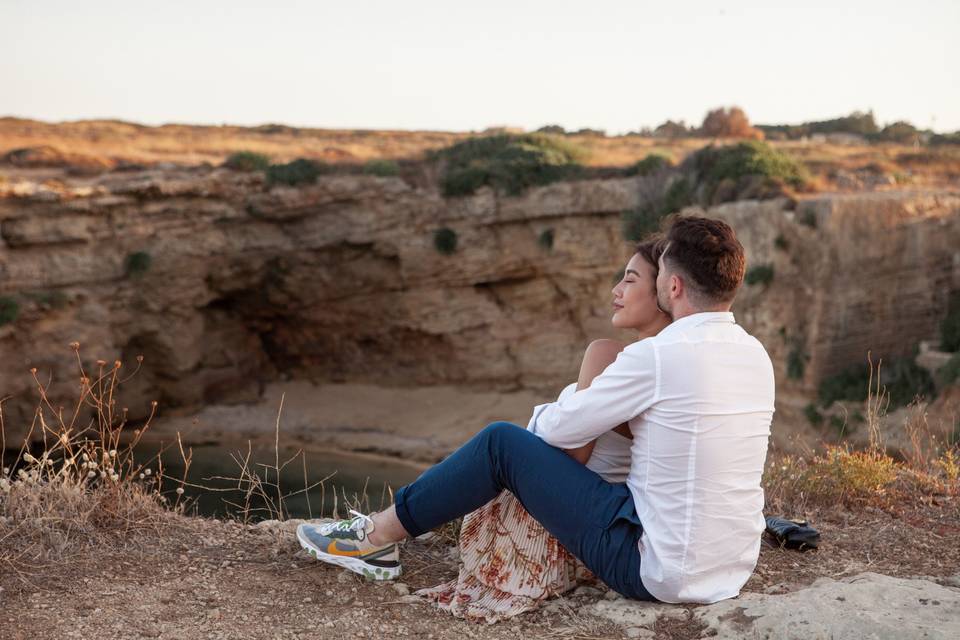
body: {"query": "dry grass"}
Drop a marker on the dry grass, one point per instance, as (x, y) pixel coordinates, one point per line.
(74, 487)
(842, 476)
(82, 490)
(98, 145)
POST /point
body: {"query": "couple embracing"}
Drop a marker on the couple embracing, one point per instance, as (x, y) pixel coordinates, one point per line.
(644, 474)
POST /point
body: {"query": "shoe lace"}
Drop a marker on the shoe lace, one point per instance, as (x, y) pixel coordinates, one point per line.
(353, 524)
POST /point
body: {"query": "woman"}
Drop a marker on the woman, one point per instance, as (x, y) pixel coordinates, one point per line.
(510, 563)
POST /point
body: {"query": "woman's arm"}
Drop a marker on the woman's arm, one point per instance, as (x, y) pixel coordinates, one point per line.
(597, 357)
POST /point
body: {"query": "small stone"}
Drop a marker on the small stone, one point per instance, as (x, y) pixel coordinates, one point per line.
(638, 632)
(401, 589)
(611, 595)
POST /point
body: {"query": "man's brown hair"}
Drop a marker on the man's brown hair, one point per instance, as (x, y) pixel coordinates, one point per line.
(708, 253)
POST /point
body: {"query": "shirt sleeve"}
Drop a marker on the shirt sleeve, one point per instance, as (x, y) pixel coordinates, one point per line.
(565, 393)
(624, 390)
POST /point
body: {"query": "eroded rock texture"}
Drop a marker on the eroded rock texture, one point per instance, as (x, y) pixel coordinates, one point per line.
(222, 283)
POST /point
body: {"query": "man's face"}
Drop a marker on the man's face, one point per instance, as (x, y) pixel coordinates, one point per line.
(663, 287)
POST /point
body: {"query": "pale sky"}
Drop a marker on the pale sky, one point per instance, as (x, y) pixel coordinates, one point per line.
(447, 65)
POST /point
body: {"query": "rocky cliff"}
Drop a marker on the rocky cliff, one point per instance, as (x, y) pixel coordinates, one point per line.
(223, 284)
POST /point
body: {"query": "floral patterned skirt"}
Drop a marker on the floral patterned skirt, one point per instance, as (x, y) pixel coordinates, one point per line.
(510, 564)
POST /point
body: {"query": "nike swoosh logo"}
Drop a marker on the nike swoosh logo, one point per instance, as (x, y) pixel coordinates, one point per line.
(335, 550)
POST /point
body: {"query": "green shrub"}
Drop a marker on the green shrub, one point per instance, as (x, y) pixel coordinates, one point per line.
(901, 131)
(138, 264)
(950, 372)
(808, 217)
(781, 243)
(508, 163)
(760, 274)
(945, 138)
(300, 171)
(640, 222)
(545, 239)
(9, 310)
(382, 168)
(857, 122)
(653, 163)
(902, 379)
(553, 129)
(950, 325)
(796, 361)
(648, 218)
(247, 161)
(445, 240)
(814, 416)
(679, 195)
(748, 159)
(593, 133)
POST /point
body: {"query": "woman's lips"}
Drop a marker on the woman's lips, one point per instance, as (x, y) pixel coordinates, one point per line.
(617, 307)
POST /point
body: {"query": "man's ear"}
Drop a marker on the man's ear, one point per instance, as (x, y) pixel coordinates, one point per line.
(676, 286)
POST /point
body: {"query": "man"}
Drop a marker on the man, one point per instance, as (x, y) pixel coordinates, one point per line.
(698, 398)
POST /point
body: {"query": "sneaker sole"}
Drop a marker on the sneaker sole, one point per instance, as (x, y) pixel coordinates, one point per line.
(355, 565)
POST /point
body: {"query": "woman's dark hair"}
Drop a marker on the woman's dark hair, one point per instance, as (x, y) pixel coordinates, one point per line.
(708, 253)
(651, 248)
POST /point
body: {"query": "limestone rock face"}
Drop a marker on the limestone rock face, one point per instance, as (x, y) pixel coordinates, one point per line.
(223, 283)
(868, 605)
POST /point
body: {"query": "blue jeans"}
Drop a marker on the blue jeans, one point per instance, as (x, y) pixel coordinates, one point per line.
(594, 520)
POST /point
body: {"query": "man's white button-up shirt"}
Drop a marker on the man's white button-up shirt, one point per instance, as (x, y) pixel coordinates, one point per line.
(699, 401)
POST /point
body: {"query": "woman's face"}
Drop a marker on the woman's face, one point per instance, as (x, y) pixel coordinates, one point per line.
(635, 296)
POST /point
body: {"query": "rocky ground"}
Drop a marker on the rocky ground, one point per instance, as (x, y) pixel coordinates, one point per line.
(880, 574)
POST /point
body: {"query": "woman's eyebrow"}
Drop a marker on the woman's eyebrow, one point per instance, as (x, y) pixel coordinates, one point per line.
(636, 273)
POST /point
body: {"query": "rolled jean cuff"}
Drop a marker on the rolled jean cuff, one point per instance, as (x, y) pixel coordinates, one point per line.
(403, 514)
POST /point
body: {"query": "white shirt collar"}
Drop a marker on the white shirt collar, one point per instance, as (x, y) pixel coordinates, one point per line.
(696, 319)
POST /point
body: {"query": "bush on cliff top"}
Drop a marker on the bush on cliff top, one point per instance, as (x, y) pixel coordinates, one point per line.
(382, 168)
(750, 169)
(653, 163)
(508, 163)
(299, 171)
(247, 161)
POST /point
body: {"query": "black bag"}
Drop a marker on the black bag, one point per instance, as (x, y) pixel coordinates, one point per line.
(793, 534)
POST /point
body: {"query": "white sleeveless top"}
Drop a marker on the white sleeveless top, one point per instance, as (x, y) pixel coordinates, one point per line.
(611, 455)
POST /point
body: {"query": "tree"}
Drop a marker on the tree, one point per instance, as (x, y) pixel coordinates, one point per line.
(728, 123)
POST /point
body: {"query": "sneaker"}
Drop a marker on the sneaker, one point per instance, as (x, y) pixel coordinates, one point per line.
(344, 543)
